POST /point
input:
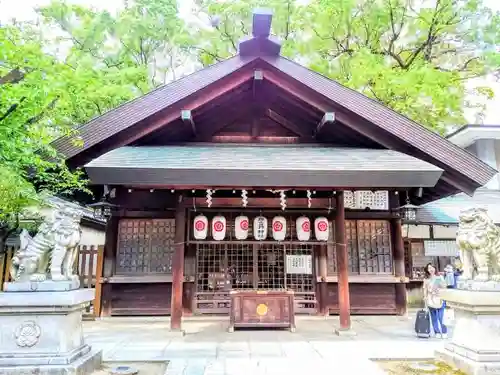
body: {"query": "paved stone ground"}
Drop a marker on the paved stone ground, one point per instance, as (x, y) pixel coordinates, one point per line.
(207, 349)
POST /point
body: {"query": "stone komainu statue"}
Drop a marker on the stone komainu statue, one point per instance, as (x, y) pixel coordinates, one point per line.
(478, 240)
(52, 251)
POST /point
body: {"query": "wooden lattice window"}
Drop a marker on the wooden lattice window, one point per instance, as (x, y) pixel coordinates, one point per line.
(145, 246)
(331, 254)
(351, 237)
(374, 246)
(368, 247)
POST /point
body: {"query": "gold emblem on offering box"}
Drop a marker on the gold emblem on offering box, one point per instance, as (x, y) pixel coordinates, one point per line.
(261, 309)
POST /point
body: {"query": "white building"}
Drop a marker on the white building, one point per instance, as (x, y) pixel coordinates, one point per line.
(432, 239)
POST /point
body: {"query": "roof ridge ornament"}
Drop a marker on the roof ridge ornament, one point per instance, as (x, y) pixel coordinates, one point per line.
(261, 22)
(261, 43)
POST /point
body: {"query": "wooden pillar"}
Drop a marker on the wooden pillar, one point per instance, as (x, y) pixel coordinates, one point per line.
(322, 271)
(399, 265)
(178, 267)
(110, 241)
(342, 265)
(98, 280)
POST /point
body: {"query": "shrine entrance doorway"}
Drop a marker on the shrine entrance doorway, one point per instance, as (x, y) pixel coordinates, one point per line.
(222, 266)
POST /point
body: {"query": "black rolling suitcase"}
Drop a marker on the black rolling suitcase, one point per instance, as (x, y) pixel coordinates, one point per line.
(423, 324)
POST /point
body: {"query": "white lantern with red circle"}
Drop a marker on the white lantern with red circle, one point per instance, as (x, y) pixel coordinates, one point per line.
(241, 227)
(218, 228)
(279, 228)
(321, 228)
(260, 228)
(200, 227)
(303, 228)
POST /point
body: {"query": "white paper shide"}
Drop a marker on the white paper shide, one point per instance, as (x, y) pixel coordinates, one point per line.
(321, 228)
(303, 228)
(241, 227)
(279, 228)
(260, 228)
(218, 227)
(200, 227)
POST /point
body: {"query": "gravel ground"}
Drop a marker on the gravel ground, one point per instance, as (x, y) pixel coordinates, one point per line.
(417, 368)
(145, 368)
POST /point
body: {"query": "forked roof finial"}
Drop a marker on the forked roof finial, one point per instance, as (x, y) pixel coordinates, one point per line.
(261, 42)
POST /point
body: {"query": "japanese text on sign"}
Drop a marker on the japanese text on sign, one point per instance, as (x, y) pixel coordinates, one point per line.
(299, 264)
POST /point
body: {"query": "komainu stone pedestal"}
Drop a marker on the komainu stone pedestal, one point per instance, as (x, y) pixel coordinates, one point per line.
(475, 345)
(41, 333)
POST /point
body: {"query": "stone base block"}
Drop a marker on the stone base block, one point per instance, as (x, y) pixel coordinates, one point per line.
(467, 365)
(41, 333)
(42, 286)
(479, 285)
(35, 359)
(84, 365)
(474, 347)
(345, 332)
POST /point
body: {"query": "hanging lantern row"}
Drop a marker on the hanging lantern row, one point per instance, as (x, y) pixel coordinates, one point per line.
(260, 227)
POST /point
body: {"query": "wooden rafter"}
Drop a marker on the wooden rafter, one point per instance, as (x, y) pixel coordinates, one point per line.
(197, 102)
(258, 78)
(328, 118)
(362, 126)
(229, 119)
(187, 118)
(276, 117)
(302, 95)
(278, 95)
(236, 94)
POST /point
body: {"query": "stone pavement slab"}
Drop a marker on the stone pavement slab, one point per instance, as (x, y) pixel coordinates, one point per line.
(275, 366)
(207, 348)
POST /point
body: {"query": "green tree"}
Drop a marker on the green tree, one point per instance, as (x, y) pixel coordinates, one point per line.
(50, 83)
(143, 42)
(36, 106)
(418, 59)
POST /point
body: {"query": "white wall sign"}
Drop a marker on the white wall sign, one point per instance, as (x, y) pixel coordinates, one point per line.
(299, 264)
(362, 199)
(436, 248)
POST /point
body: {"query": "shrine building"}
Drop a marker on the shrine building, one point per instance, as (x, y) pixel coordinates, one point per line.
(259, 175)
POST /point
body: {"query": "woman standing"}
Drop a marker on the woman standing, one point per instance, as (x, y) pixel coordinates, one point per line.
(432, 284)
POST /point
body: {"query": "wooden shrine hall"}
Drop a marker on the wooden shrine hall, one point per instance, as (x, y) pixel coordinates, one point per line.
(259, 189)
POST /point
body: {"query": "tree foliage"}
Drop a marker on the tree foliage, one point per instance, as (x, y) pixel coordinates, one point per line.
(142, 43)
(419, 58)
(37, 104)
(88, 63)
